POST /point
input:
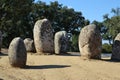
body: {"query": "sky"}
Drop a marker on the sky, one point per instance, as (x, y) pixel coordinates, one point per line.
(91, 9)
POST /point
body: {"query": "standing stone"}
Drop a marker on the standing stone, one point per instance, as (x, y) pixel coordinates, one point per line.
(90, 42)
(43, 37)
(116, 48)
(0, 40)
(17, 53)
(60, 42)
(29, 44)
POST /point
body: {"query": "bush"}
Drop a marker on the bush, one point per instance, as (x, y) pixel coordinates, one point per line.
(106, 48)
(74, 44)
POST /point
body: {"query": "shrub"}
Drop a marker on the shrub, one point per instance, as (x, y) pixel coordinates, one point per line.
(106, 48)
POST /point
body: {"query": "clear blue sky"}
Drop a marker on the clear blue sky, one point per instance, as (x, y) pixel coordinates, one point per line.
(91, 9)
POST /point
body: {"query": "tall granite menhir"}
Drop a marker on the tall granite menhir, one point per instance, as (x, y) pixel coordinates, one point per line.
(116, 48)
(90, 42)
(17, 53)
(43, 37)
(60, 42)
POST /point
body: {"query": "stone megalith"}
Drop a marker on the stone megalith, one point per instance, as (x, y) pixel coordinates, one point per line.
(60, 42)
(116, 48)
(43, 37)
(0, 40)
(17, 53)
(90, 42)
(29, 44)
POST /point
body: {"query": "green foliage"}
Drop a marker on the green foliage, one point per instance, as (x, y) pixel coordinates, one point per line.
(18, 18)
(112, 25)
(116, 11)
(100, 26)
(106, 48)
(14, 19)
(74, 44)
(103, 29)
(61, 17)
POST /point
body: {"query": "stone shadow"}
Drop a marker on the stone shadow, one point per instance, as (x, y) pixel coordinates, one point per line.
(47, 66)
(1, 79)
(69, 54)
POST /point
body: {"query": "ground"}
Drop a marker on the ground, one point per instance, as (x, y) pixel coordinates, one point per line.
(59, 67)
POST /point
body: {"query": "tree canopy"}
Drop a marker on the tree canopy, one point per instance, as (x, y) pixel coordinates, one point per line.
(17, 18)
(14, 20)
(112, 24)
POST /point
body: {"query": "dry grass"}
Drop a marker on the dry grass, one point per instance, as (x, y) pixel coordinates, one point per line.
(60, 67)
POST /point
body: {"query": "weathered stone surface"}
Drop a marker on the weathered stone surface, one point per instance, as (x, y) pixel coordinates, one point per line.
(17, 53)
(0, 40)
(90, 42)
(43, 37)
(29, 44)
(60, 42)
(116, 48)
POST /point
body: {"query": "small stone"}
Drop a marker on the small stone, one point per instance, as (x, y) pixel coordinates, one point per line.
(60, 42)
(17, 53)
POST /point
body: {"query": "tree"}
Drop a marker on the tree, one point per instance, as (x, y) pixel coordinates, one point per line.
(106, 48)
(61, 17)
(116, 11)
(112, 24)
(18, 18)
(103, 30)
(14, 20)
(100, 26)
(74, 43)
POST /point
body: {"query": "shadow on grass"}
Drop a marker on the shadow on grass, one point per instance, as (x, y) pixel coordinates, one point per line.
(3, 54)
(69, 54)
(47, 66)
